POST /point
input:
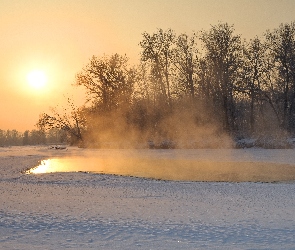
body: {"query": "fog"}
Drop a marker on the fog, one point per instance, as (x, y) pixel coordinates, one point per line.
(183, 127)
(176, 165)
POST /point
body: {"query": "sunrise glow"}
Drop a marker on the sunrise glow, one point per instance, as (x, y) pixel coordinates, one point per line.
(37, 79)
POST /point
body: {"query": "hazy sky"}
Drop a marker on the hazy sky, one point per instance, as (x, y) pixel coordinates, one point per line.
(59, 36)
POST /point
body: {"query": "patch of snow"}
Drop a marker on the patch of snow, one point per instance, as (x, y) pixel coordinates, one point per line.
(100, 211)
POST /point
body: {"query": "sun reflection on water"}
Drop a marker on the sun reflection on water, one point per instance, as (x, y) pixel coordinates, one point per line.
(61, 165)
(42, 168)
(170, 169)
(47, 166)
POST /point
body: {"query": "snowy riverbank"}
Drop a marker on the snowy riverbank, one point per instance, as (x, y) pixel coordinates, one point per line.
(93, 211)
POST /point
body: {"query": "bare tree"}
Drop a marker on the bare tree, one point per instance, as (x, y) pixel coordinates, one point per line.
(281, 43)
(185, 59)
(254, 69)
(109, 81)
(223, 52)
(157, 49)
(72, 121)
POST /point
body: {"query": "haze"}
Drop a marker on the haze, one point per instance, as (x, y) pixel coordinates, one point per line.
(59, 37)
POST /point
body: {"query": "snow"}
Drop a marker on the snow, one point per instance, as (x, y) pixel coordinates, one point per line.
(78, 210)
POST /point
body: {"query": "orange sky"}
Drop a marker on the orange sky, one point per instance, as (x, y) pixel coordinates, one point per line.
(59, 37)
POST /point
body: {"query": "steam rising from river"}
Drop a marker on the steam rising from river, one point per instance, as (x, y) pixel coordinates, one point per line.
(182, 127)
(167, 166)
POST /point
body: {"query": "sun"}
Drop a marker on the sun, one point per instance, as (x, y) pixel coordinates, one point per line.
(37, 79)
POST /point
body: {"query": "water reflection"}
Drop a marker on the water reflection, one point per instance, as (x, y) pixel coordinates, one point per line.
(53, 165)
(171, 169)
(42, 168)
(63, 165)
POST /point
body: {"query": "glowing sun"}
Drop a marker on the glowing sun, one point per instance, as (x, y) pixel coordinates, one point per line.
(37, 79)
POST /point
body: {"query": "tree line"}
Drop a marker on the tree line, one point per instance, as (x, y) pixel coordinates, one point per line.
(187, 89)
(33, 137)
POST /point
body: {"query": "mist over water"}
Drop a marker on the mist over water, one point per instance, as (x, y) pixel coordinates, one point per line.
(166, 165)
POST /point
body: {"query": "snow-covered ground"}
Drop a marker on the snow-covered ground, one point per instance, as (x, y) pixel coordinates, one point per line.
(100, 211)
